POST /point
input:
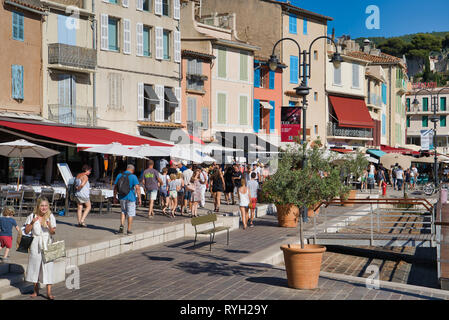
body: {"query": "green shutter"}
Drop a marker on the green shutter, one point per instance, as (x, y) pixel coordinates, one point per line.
(221, 63)
(425, 103)
(243, 67)
(221, 108)
(443, 104)
(408, 121)
(425, 121)
(243, 110)
(442, 121)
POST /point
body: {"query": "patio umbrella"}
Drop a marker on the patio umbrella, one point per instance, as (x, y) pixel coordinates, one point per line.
(25, 149)
(391, 159)
(189, 153)
(149, 151)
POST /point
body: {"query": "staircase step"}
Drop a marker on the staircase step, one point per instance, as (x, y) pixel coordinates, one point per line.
(4, 268)
(8, 279)
(16, 290)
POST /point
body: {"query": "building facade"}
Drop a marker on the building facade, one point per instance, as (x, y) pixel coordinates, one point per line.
(21, 52)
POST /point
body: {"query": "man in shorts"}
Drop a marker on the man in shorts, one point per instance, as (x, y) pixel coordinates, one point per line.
(253, 186)
(151, 181)
(128, 202)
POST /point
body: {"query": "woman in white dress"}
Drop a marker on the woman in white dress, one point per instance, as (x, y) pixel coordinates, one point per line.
(42, 224)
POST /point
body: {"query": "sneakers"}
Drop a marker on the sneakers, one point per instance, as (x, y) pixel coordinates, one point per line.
(120, 230)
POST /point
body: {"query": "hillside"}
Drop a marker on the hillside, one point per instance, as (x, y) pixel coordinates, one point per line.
(406, 38)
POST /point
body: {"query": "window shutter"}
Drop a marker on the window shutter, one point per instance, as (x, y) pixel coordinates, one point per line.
(257, 78)
(104, 31)
(221, 63)
(189, 109)
(178, 108)
(272, 77)
(221, 108)
(140, 101)
(125, 3)
(139, 35)
(177, 46)
(294, 75)
(139, 5)
(304, 26)
(159, 43)
(158, 7)
(256, 117)
(337, 75)
(20, 27)
(126, 36)
(292, 24)
(243, 66)
(243, 110)
(273, 117)
(355, 75)
(199, 67)
(176, 9)
(205, 118)
(160, 108)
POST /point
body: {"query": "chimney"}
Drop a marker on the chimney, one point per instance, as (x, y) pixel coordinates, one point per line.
(366, 46)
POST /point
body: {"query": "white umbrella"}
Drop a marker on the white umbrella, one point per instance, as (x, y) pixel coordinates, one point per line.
(150, 151)
(189, 153)
(24, 149)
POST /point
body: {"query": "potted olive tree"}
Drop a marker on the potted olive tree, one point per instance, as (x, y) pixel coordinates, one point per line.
(351, 169)
(295, 186)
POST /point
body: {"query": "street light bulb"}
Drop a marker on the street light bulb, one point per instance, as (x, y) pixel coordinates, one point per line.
(415, 103)
(336, 60)
(273, 63)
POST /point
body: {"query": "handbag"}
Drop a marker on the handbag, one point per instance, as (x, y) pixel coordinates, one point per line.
(54, 251)
(24, 243)
(190, 187)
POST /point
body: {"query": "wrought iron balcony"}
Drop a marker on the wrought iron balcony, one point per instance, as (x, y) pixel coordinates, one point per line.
(374, 99)
(72, 56)
(75, 115)
(334, 130)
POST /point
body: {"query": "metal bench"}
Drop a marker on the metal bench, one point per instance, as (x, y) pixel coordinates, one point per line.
(210, 218)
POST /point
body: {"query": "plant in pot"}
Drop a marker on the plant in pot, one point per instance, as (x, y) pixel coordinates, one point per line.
(303, 187)
(351, 170)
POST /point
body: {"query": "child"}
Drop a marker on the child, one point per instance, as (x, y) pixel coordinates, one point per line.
(163, 191)
(6, 224)
(173, 189)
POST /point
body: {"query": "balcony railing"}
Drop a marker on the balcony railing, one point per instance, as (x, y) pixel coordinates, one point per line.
(75, 115)
(72, 56)
(401, 84)
(375, 99)
(334, 130)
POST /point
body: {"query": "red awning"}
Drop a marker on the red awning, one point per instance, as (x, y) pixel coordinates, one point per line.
(196, 139)
(342, 150)
(389, 149)
(81, 137)
(351, 112)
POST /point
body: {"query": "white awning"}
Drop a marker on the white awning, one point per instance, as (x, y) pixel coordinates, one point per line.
(266, 105)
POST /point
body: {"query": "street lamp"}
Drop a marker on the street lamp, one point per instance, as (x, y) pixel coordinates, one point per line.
(303, 90)
(434, 118)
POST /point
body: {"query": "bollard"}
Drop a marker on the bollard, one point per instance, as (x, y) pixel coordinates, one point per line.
(443, 195)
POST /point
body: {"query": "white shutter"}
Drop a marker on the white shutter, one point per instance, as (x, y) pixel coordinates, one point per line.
(139, 33)
(178, 108)
(158, 7)
(140, 101)
(126, 36)
(104, 32)
(177, 46)
(107, 1)
(176, 9)
(139, 5)
(160, 108)
(159, 43)
(125, 3)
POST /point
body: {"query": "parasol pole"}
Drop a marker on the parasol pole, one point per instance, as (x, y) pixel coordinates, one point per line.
(113, 165)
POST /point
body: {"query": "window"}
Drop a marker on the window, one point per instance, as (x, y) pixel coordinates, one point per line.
(205, 118)
(315, 96)
(425, 121)
(355, 76)
(443, 103)
(337, 75)
(304, 26)
(292, 26)
(243, 110)
(113, 1)
(294, 71)
(166, 41)
(315, 55)
(17, 26)
(221, 63)
(384, 93)
(384, 124)
(146, 5)
(221, 108)
(408, 104)
(243, 66)
(442, 121)
(165, 7)
(425, 104)
(146, 41)
(191, 109)
(17, 82)
(195, 80)
(113, 34)
(115, 91)
(408, 121)
(316, 129)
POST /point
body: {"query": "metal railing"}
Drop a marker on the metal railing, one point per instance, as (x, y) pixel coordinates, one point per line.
(334, 130)
(72, 56)
(75, 115)
(375, 99)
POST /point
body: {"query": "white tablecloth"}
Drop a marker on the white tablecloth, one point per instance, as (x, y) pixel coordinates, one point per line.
(107, 193)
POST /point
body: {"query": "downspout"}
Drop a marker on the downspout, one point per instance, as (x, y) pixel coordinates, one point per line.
(94, 75)
(389, 109)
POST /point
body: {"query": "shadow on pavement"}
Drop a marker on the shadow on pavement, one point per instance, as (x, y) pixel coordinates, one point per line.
(89, 226)
(272, 281)
(214, 269)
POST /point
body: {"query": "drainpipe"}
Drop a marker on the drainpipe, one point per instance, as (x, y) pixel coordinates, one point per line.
(389, 111)
(94, 75)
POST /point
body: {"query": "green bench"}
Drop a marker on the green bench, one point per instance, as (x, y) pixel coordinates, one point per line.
(210, 218)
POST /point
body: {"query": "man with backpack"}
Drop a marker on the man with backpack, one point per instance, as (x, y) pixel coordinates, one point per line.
(126, 186)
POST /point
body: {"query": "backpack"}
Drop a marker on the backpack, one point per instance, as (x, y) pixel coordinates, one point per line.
(123, 187)
(72, 188)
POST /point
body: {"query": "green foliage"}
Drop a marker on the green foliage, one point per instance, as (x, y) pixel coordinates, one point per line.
(355, 164)
(292, 184)
(395, 47)
(445, 42)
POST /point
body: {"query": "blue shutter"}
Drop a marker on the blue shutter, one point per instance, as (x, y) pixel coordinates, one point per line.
(304, 29)
(294, 69)
(272, 117)
(17, 82)
(384, 124)
(384, 93)
(17, 26)
(66, 30)
(292, 26)
(257, 78)
(256, 117)
(14, 81)
(272, 75)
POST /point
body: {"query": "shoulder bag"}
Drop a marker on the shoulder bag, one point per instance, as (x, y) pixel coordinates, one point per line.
(54, 251)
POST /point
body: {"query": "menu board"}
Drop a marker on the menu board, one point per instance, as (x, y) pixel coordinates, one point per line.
(65, 173)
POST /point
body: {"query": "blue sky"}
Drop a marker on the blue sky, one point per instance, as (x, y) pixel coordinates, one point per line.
(397, 17)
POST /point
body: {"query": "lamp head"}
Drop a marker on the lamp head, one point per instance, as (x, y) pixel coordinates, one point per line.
(434, 118)
(273, 62)
(336, 60)
(415, 103)
(303, 90)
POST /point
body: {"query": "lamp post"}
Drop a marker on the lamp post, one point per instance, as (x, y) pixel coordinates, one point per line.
(304, 73)
(434, 118)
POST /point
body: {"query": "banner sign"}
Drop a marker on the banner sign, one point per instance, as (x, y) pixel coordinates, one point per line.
(427, 140)
(290, 123)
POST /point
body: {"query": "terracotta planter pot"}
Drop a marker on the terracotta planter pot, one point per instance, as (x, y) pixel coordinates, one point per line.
(352, 195)
(311, 213)
(303, 265)
(288, 216)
